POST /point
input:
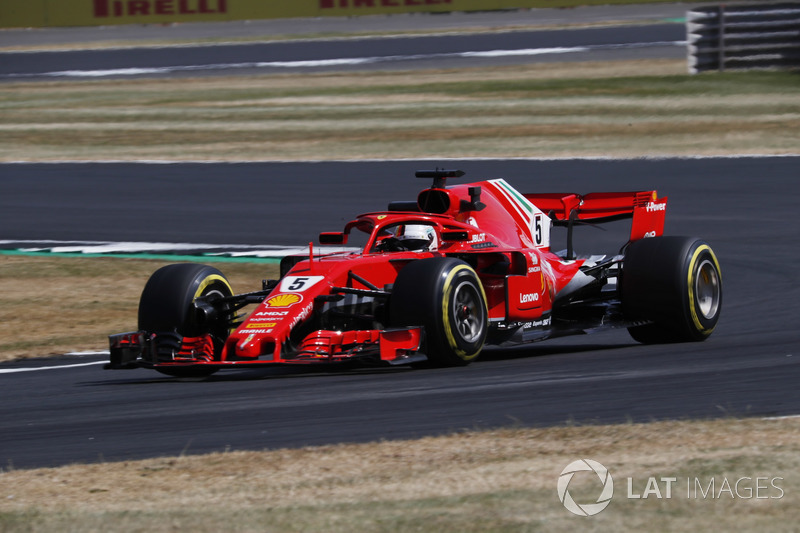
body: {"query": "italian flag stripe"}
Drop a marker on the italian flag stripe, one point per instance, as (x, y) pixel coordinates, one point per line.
(519, 199)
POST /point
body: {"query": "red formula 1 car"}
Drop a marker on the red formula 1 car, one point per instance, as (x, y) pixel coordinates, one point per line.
(437, 279)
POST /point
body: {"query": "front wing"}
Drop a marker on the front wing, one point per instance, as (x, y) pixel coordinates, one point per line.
(141, 349)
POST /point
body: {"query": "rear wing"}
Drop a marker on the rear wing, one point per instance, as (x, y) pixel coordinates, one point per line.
(644, 207)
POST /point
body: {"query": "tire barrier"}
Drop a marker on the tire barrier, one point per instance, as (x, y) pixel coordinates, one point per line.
(741, 37)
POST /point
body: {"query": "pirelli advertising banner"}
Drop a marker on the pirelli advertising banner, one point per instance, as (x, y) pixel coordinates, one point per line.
(38, 13)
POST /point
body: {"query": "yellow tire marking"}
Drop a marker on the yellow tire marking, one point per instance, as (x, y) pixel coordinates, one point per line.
(208, 280)
(689, 282)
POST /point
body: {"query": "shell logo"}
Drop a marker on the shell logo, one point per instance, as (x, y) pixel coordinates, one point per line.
(283, 300)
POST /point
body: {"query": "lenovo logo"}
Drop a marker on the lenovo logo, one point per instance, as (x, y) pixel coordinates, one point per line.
(528, 298)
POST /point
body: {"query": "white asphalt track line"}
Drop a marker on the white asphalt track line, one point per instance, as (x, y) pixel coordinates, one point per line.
(110, 247)
(59, 367)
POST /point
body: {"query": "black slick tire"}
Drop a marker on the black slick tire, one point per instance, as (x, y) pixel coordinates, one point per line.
(675, 283)
(445, 296)
(166, 306)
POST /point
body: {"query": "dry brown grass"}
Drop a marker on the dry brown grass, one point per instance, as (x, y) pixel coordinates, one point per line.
(502, 480)
(624, 109)
(53, 305)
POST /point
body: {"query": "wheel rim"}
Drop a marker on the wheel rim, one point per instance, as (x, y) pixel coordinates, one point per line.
(468, 312)
(707, 289)
(216, 331)
(214, 292)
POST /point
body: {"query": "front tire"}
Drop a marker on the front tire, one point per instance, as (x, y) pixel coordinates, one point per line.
(445, 296)
(166, 307)
(674, 282)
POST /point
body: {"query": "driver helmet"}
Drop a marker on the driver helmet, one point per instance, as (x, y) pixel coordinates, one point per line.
(418, 237)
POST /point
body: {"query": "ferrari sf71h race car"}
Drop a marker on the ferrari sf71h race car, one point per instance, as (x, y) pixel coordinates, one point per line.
(436, 280)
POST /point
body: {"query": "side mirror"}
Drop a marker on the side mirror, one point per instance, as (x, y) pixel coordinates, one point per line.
(332, 237)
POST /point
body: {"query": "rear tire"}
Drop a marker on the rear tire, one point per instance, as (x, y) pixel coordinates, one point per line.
(446, 297)
(166, 306)
(674, 282)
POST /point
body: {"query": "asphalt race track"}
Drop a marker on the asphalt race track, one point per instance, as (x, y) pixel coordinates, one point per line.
(385, 53)
(744, 207)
